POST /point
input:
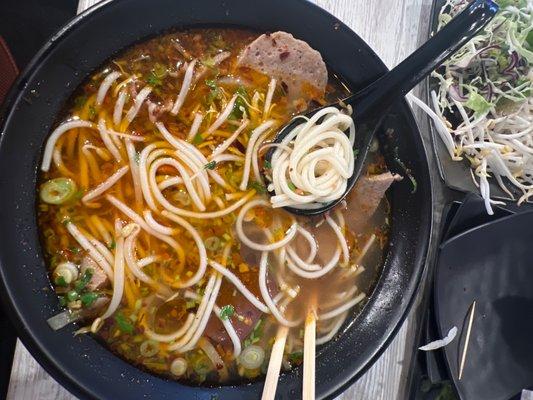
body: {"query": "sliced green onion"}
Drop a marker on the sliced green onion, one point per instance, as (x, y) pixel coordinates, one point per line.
(252, 357)
(227, 312)
(201, 363)
(72, 295)
(65, 273)
(84, 280)
(178, 367)
(182, 197)
(58, 190)
(87, 299)
(149, 348)
(212, 243)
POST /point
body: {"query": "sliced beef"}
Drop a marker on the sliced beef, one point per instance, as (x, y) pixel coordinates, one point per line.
(216, 331)
(249, 314)
(99, 279)
(291, 61)
(365, 197)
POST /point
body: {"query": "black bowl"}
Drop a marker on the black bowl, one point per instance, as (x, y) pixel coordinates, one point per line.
(81, 364)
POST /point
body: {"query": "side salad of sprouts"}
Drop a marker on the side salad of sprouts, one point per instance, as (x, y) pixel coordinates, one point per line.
(483, 106)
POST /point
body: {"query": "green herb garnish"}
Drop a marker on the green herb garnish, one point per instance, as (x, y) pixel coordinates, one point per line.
(296, 357)
(190, 304)
(268, 164)
(84, 280)
(259, 188)
(112, 245)
(291, 186)
(214, 93)
(88, 299)
(73, 295)
(123, 323)
(256, 334)
(240, 103)
(154, 80)
(80, 101)
(197, 139)
(210, 165)
(211, 84)
(60, 281)
(92, 112)
(227, 312)
(74, 249)
(79, 194)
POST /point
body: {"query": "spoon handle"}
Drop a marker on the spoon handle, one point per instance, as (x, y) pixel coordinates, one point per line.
(378, 96)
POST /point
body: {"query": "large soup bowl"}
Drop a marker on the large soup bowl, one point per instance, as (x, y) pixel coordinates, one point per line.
(83, 365)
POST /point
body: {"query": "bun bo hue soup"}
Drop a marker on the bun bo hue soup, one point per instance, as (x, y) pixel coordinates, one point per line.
(160, 236)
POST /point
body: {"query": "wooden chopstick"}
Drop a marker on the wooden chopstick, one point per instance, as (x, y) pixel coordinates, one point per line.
(308, 389)
(274, 365)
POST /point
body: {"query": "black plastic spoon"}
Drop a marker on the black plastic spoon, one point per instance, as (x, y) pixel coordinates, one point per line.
(371, 103)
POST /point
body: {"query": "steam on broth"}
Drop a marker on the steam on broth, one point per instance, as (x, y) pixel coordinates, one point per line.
(160, 236)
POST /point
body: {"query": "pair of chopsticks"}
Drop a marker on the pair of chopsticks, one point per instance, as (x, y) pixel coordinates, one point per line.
(276, 357)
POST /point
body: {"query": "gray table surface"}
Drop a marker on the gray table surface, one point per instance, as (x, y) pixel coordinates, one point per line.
(393, 28)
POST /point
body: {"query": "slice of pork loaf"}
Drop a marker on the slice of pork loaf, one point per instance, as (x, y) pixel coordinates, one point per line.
(290, 60)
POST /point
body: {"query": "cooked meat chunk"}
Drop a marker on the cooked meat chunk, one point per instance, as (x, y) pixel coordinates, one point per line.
(291, 61)
(365, 197)
(216, 331)
(99, 279)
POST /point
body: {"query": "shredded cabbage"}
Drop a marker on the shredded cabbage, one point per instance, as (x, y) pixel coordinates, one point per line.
(487, 87)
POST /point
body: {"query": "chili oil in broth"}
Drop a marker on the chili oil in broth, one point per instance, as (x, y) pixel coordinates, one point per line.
(159, 63)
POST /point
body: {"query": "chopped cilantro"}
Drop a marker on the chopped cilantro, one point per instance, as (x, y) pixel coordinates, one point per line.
(210, 165)
(80, 101)
(267, 164)
(291, 186)
(154, 80)
(92, 112)
(123, 323)
(112, 245)
(296, 357)
(227, 312)
(160, 71)
(214, 93)
(256, 334)
(74, 249)
(240, 103)
(197, 139)
(260, 189)
(211, 84)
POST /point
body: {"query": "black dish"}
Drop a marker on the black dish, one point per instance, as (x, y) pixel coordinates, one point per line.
(498, 362)
(83, 365)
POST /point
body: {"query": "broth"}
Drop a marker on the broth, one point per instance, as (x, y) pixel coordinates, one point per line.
(152, 248)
